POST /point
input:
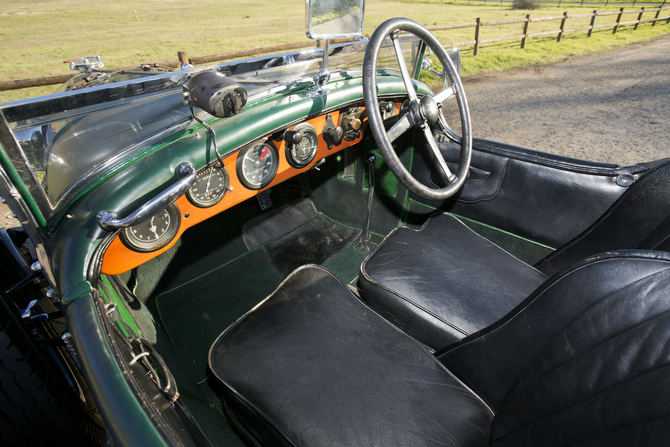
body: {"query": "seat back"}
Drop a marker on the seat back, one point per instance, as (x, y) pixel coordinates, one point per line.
(583, 361)
(639, 219)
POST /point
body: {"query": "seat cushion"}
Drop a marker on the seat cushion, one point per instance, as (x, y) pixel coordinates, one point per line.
(313, 366)
(444, 281)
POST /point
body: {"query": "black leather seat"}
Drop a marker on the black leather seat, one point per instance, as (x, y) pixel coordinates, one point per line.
(443, 282)
(582, 361)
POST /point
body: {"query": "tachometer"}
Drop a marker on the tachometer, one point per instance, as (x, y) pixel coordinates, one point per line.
(210, 186)
(257, 165)
(302, 153)
(154, 233)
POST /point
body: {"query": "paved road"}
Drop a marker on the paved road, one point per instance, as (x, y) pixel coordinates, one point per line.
(611, 107)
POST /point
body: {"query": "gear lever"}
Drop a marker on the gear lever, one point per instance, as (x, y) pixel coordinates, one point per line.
(365, 245)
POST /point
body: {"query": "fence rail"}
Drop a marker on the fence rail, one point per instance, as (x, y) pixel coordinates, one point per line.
(478, 40)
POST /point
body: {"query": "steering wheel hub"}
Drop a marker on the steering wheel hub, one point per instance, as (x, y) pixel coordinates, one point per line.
(429, 110)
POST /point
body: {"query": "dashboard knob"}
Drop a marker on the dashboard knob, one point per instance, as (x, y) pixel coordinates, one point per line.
(335, 134)
(291, 136)
(386, 107)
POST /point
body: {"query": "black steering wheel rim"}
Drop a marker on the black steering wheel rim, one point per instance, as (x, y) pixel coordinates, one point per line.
(391, 28)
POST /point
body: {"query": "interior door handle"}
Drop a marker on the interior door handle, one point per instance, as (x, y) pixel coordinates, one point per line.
(109, 221)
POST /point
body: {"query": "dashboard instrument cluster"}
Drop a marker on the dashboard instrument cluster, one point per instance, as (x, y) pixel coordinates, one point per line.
(255, 167)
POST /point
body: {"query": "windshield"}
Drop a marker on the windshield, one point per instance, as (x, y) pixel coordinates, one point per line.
(67, 141)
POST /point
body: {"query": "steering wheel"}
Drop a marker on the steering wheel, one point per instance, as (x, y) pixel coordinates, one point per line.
(423, 112)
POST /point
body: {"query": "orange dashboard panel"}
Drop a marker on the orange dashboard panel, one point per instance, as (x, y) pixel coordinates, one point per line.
(119, 258)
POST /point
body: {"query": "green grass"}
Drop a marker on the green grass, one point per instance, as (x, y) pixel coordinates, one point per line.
(38, 35)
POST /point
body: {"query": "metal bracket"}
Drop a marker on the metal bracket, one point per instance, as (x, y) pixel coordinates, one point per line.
(28, 317)
(87, 63)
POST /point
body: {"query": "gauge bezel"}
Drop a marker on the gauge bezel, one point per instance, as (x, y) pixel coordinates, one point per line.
(239, 165)
(175, 222)
(288, 149)
(226, 182)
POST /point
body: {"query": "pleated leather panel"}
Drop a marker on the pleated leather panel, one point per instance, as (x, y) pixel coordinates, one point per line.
(604, 380)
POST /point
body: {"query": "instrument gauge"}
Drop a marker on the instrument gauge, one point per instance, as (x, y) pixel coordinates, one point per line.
(257, 164)
(155, 232)
(301, 154)
(210, 186)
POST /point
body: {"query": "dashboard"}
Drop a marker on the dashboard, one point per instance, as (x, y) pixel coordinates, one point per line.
(247, 172)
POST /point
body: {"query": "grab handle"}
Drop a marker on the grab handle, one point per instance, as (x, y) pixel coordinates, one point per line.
(109, 221)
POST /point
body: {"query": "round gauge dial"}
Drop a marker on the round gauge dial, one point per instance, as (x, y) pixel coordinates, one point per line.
(301, 154)
(257, 165)
(210, 186)
(153, 233)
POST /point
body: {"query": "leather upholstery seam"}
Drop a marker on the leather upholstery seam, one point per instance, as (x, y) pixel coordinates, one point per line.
(412, 303)
(494, 195)
(496, 245)
(602, 342)
(590, 396)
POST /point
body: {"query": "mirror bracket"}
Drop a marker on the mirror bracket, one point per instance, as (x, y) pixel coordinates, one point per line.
(333, 19)
(323, 76)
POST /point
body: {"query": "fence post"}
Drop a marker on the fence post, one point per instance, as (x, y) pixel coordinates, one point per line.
(593, 22)
(525, 32)
(479, 25)
(183, 57)
(658, 12)
(639, 17)
(618, 20)
(560, 33)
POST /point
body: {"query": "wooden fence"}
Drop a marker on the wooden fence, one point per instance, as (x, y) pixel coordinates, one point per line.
(478, 24)
(524, 35)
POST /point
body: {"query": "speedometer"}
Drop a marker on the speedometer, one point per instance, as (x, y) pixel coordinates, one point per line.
(257, 165)
(302, 153)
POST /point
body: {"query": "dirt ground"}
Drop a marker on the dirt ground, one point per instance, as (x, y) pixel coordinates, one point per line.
(612, 107)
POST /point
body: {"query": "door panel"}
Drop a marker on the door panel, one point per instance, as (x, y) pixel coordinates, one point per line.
(542, 197)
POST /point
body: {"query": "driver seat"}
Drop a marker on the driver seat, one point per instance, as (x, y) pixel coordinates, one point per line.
(583, 361)
(444, 281)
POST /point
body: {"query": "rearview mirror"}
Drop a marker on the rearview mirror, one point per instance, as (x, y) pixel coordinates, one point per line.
(334, 19)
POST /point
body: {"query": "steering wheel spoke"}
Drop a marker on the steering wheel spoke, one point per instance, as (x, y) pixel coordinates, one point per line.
(438, 155)
(399, 128)
(444, 95)
(406, 79)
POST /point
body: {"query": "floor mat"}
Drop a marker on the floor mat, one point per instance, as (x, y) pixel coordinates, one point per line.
(195, 313)
(272, 224)
(314, 242)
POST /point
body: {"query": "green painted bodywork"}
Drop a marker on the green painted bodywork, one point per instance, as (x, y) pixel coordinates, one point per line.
(126, 416)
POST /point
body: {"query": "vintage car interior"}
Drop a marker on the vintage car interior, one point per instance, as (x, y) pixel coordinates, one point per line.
(336, 260)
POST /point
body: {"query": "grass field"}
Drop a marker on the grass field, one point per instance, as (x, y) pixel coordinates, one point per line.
(38, 35)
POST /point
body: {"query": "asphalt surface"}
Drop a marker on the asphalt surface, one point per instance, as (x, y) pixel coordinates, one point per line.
(612, 107)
